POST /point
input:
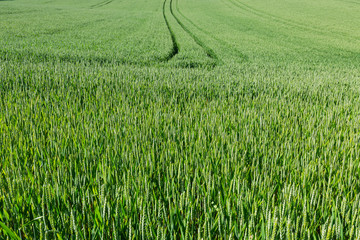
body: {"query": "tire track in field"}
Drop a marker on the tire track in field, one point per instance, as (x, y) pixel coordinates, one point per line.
(52, 57)
(268, 16)
(320, 52)
(240, 54)
(209, 52)
(175, 45)
(353, 2)
(101, 4)
(287, 22)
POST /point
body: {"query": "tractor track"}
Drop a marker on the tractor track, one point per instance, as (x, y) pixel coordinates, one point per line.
(209, 52)
(353, 2)
(42, 57)
(268, 16)
(101, 4)
(175, 45)
(287, 22)
(240, 54)
(320, 52)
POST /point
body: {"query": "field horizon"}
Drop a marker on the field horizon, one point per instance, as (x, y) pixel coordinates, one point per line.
(179, 119)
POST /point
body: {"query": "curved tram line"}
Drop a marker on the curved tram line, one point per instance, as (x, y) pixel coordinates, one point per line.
(175, 46)
(209, 52)
(101, 4)
(286, 22)
(240, 54)
(50, 57)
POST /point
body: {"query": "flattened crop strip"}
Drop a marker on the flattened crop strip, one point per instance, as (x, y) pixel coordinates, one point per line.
(268, 16)
(101, 4)
(175, 46)
(209, 52)
(287, 22)
(240, 54)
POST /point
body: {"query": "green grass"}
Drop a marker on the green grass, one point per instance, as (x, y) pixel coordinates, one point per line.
(179, 119)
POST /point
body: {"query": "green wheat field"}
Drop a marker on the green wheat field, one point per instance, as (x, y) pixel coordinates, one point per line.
(179, 119)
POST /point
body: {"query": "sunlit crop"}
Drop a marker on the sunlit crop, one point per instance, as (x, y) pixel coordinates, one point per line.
(179, 119)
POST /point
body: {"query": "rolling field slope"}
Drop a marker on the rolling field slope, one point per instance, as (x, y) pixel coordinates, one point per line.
(179, 119)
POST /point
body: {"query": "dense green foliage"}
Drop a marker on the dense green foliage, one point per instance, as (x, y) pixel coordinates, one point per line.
(179, 119)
